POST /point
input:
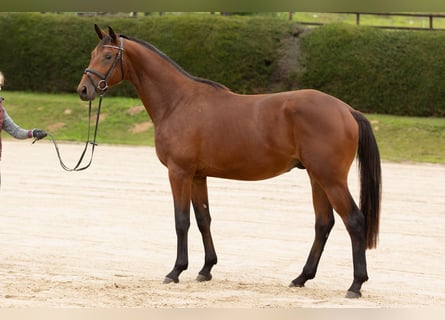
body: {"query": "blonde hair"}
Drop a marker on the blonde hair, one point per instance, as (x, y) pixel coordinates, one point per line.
(2, 80)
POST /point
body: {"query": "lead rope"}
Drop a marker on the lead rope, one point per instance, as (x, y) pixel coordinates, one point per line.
(87, 143)
(102, 86)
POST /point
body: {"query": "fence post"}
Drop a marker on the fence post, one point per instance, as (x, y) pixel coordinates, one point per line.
(357, 18)
(431, 21)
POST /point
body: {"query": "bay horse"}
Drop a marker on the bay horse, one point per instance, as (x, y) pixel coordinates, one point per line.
(202, 129)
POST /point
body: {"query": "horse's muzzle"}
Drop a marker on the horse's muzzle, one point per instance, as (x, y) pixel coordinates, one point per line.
(86, 92)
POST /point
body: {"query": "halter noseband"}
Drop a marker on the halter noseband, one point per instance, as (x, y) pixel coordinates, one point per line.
(102, 85)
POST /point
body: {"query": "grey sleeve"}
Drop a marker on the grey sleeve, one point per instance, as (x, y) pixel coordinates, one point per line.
(14, 130)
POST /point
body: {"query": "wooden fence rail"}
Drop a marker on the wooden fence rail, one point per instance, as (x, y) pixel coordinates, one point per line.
(359, 15)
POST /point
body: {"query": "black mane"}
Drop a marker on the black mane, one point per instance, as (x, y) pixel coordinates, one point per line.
(151, 47)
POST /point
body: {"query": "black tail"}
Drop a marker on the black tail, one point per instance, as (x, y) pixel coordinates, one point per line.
(370, 178)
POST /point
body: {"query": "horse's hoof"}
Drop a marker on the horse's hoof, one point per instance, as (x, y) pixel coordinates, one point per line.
(295, 285)
(168, 280)
(202, 278)
(353, 295)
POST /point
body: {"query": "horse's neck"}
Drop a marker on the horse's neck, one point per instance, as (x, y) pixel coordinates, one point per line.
(158, 83)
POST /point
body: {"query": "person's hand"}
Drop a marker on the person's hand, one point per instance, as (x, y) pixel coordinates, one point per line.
(39, 134)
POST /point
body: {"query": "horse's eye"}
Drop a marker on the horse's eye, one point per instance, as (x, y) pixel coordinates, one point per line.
(108, 56)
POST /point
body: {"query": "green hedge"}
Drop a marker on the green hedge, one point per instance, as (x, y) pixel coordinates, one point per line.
(376, 71)
(48, 52)
(379, 71)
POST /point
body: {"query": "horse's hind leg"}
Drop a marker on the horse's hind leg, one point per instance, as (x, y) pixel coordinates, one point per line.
(203, 219)
(324, 221)
(354, 221)
(355, 224)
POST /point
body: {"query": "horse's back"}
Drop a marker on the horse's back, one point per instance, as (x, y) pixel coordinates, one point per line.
(316, 103)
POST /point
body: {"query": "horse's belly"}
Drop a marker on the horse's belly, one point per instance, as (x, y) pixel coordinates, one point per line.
(259, 169)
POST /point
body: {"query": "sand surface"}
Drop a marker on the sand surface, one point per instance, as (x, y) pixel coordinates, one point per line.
(105, 237)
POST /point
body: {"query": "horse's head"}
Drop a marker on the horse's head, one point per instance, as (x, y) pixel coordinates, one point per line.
(103, 70)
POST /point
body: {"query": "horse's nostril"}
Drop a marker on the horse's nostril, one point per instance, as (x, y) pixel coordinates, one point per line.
(83, 92)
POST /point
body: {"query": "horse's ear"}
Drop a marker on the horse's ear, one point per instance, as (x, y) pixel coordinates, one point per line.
(112, 34)
(101, 34)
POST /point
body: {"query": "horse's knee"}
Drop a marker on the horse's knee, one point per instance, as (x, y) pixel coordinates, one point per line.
(203, 221)
(182, 223)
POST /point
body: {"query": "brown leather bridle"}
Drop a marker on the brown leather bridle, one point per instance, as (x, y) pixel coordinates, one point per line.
(102, 84)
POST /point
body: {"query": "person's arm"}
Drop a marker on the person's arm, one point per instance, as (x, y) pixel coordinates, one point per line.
(14, 130)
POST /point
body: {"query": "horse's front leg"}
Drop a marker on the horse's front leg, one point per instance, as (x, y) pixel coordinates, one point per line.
(201, 206)
(181, 185)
